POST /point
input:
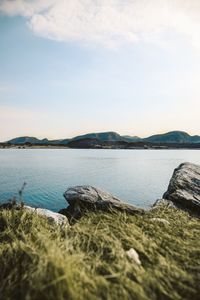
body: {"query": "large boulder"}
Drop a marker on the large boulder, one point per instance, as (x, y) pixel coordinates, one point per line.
(81, 198)
(184, 187)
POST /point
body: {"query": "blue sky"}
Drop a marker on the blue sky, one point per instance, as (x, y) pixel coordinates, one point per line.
(60, 79)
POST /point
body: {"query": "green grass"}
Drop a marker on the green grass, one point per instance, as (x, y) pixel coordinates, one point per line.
(39, 260)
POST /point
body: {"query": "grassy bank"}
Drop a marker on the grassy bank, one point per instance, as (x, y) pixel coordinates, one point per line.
(89, 261)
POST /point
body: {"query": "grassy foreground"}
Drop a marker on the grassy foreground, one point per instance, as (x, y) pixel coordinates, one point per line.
(89, 261)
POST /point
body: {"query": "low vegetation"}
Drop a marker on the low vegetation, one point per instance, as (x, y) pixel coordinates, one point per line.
(88, 260)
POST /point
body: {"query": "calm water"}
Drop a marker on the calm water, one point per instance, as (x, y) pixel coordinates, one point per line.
(135, 176)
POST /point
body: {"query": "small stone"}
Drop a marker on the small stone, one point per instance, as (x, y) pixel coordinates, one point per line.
(160, 220)
(133, 255)
(56, 218)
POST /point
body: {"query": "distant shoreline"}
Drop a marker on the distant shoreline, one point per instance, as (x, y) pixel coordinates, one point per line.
(109, 140)
(155, 147)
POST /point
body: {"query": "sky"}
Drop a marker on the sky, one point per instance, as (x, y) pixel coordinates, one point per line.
(69, 67)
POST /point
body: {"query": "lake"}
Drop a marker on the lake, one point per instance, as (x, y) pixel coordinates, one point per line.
(136, 176)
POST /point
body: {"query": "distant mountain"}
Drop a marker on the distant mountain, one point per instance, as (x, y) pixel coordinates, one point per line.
(109, 136)
(32, 140)
(26, 139)
(176, 137)
(173, 137)
(128, 138)
(61, 142)
(101, 136)
(195, 139)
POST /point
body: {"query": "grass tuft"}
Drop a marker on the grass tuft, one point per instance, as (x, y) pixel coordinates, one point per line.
(88, 260)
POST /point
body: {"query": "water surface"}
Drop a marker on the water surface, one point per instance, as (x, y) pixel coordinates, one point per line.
(136, 176)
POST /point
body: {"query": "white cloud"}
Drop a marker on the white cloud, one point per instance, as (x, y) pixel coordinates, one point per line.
(108, 22)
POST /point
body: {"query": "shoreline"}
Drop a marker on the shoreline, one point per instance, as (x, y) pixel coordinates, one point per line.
(56, 147)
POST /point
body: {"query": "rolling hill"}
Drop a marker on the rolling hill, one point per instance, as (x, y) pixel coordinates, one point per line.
(32, 140)
(175, 137)
(101, 136)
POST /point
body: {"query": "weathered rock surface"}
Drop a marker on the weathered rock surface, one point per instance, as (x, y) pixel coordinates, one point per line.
(85, 197)
(184, 187)
(57, 218)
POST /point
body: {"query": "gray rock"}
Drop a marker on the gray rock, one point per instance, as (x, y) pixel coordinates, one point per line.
(184, 187)
(84, 197)
(53, 217)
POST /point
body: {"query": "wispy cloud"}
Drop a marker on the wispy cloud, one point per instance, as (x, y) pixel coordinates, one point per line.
(108, 22)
